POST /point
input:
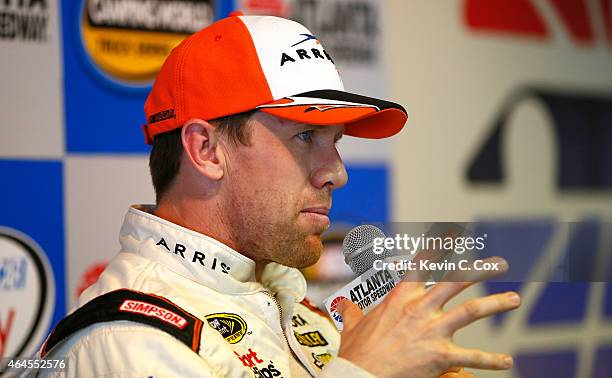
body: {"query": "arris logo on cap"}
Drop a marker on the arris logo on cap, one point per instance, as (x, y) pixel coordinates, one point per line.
(308, 38)
(303, 53)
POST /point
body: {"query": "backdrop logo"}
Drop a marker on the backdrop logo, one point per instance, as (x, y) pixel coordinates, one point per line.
(24, 20)
(128, 40)
(89, 277)
(24, 273)
(350, 29)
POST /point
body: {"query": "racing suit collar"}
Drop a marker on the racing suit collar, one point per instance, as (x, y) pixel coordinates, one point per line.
(202, 258)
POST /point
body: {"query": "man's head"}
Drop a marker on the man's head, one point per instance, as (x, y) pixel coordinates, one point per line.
(280, 188)
(265, 180)
(245, 116)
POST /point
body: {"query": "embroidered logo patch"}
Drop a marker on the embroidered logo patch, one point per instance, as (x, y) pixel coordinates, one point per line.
(231, 326)
(311, 339)
(148, 309)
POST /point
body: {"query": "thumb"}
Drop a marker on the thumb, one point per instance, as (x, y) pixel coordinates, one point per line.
(351, 314)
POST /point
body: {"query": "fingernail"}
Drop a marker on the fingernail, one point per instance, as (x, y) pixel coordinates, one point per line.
(508, 362)
(513, 298)
(503, 264)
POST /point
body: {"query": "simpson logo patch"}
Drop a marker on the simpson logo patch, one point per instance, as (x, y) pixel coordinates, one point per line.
(231, 326)
(134, 306)
(148, 309)
(310, 339)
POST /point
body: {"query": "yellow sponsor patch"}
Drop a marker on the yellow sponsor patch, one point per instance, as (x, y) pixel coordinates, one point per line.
(231, 326)
(310, 339)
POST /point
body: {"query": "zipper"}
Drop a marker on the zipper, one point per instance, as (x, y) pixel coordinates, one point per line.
(280, 318)
(280, 314)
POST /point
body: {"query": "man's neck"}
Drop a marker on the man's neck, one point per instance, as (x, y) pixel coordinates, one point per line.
(204, 220)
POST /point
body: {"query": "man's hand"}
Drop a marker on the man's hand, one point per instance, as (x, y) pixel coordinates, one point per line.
(457, 373)
(409, 334)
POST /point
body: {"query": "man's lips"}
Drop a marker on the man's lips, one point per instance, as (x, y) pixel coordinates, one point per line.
(317, 210)
(318, 215)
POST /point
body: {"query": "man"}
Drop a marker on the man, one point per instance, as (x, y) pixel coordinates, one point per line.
(244, 118)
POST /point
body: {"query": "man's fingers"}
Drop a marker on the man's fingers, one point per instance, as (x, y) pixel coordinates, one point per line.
(418, 277)
(351, 314)
(477, 359)
(475, 309)
(453, 369)
(457, 373)
(451, 375)
(459, 280)
(451, 372)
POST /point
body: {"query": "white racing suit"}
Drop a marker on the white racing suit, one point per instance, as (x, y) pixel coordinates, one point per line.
(176, 303)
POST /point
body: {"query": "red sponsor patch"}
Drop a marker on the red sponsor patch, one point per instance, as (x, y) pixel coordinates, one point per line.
(148, 309)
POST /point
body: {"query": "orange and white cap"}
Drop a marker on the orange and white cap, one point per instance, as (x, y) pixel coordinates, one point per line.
(276, 65)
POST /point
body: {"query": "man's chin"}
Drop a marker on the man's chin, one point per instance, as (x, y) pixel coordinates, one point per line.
(308, 255)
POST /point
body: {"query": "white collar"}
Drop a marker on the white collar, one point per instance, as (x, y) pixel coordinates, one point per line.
(201, 258)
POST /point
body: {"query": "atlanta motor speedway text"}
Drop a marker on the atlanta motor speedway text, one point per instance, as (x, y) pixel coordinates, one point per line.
(432, 266)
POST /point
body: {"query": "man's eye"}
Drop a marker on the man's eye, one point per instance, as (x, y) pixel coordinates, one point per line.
(306, 136)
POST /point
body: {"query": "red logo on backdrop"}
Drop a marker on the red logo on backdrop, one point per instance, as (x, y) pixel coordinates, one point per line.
(523, 18)
(5, 329)
(148, 309)
(267, 7)
(90, 277)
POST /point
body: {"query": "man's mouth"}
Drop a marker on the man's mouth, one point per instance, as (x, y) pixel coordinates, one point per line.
(317, 210)
(318, 215)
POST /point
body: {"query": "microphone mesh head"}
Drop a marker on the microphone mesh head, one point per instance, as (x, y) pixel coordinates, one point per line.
(357, 248)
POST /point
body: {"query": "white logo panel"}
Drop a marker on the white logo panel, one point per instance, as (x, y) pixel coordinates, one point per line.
(292, 59)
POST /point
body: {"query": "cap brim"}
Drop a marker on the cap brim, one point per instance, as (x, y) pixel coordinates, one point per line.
(363, 116)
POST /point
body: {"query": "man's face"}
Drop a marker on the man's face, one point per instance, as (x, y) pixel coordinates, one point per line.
(279, 189)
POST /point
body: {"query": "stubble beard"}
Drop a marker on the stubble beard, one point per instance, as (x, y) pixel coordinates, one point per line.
(261, 235)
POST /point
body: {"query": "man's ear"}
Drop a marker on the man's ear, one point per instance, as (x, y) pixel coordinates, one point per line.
(201, 144)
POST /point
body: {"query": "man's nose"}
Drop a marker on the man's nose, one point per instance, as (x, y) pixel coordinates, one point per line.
(330, 172)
